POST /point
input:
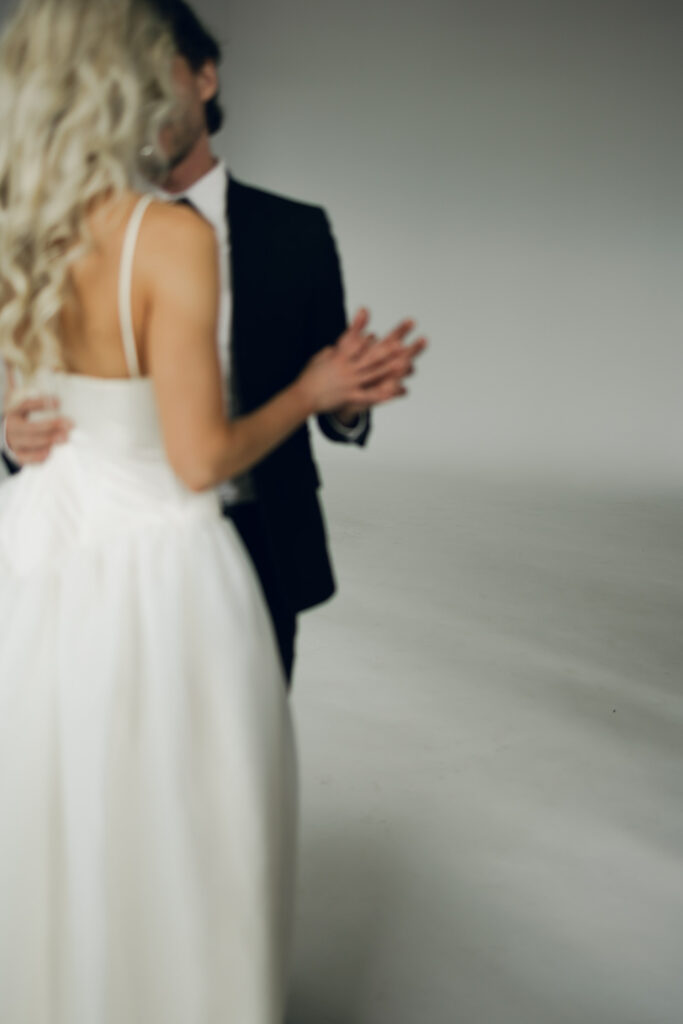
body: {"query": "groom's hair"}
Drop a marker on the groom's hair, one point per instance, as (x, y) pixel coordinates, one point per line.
(196, 44)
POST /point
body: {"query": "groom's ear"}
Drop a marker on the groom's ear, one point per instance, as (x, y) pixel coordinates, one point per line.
(207, 81)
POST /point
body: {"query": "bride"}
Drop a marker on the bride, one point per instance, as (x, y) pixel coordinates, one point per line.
(148, 779)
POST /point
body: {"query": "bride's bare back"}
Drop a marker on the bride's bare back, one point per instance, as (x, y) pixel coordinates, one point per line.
(90, 329)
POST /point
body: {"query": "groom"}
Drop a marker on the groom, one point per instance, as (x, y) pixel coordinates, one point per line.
(281, 301)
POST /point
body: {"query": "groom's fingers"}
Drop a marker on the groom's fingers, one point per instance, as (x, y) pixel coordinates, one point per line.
(392, 356)
(360, 321)
(403, 363)
(355, 342)
(32, 440)
(418, 347)
(401, 330)
(391, 371)
(378, 393)
(353, 337)
(35, 435)
(382, 364)
(360, 344)
(407, 354)
(381, 354)
(29, 405)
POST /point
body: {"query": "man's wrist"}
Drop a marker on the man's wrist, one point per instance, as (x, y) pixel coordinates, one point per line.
(347, 417)
(351, 431)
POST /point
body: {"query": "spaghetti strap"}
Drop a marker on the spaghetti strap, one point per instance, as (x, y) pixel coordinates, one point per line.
(125, 286)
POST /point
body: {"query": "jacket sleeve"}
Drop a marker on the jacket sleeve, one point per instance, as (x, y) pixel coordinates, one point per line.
(328, 321)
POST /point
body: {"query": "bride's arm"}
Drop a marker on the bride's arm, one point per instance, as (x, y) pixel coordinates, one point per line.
(179, 267)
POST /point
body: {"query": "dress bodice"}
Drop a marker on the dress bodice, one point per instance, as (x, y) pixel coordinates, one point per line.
(119, 414)
(109, 480)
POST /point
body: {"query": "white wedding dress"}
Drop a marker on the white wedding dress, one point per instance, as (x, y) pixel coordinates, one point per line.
(148, 775)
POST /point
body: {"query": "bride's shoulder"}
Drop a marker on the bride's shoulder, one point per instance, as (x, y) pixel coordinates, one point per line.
(174, 237)
(176, 224)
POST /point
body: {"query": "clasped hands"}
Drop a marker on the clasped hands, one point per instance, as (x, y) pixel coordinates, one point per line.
(392, 359)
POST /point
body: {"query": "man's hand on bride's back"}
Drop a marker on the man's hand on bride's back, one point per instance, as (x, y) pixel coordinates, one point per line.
(31, 440)
(360, 370)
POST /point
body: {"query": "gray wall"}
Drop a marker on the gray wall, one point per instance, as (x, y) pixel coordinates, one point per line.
(511, 175)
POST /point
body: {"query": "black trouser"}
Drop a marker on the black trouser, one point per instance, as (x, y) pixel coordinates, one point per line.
(249, 525)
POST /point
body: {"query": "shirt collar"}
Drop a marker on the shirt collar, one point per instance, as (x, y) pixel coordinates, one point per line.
(207, 194)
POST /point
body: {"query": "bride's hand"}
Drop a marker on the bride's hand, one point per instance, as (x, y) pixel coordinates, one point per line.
(356, 370)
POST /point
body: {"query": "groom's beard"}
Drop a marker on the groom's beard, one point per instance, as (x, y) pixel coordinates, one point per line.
(180, 136)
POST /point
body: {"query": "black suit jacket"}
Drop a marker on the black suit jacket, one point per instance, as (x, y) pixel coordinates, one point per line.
(288, 303)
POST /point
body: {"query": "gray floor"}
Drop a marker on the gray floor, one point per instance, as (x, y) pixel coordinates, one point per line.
(489, 721)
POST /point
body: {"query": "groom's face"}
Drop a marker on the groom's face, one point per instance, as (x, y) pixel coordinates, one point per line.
(187, 125)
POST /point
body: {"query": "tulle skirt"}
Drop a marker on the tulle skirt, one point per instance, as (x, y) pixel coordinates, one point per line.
(148, 777)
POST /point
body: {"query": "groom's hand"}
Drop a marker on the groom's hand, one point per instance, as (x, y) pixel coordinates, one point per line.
(392, 358)
(31, 440)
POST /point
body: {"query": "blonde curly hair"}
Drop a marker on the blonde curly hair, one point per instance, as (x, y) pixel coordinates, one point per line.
(85, 87)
